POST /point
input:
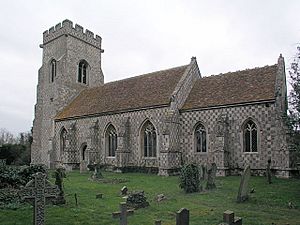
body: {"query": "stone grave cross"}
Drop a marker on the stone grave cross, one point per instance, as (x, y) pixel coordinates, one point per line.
(37, 192)
(122, 215)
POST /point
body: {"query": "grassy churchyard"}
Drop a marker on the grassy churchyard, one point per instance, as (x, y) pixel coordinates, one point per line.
(269, 204)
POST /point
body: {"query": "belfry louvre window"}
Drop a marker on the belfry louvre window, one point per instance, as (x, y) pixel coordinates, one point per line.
(111, 141)
(52, 70)
(250, 137)
(200, 138)
(82, 72)
(149, 140)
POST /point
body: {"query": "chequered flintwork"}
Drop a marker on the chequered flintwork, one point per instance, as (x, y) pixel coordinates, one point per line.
(175, 119)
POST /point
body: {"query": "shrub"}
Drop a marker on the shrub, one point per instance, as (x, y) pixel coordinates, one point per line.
(189, 178)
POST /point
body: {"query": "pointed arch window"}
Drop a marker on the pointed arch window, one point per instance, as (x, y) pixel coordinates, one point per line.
(111, 141)
(52, 70)
(200, 138)
(82, 72)
(149, 140)
(250, 137)
(63, 140)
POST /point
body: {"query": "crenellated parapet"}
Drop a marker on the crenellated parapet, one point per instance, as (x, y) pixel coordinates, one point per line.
(66, 28)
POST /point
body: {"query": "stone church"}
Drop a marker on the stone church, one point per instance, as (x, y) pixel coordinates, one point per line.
(160, 120)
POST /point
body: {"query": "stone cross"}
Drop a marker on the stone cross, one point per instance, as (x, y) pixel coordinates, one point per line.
(183, 217)
(37, 192)
(230, 219)
(243, 193)
(123, 213)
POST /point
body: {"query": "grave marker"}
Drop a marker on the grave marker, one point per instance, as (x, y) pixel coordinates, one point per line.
(183, 217)
(37, 192)
(243, 193)
(123, 213)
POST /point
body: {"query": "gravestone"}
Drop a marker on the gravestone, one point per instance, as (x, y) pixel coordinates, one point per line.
(243, 193)
(97, 172)
(123, 213)
(2, 163)
(211, 177)
(60, 174)
(230, 219)
(124, 190)
(268, 172)
(37, 192)
(183, 217)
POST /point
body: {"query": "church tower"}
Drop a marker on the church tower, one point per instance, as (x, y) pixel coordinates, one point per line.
(71, 63)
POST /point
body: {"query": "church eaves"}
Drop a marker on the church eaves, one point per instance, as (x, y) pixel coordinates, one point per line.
(240, 87)
(144, 91)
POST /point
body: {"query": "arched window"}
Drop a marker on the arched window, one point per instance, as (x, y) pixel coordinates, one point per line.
(200, 138)
(52, 70)
(250, 137)
(149, 140)
(111, 141)
(63, 139)
(82, 72)
(83, 152)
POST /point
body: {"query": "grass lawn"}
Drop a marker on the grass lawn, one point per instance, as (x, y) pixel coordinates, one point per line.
(269, 203)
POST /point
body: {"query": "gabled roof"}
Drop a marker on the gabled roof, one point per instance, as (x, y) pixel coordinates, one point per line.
(239, 87)
(144, 91)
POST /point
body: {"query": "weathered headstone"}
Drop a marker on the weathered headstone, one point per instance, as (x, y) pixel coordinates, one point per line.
(37, 192)
(243, 193)
(183, 217)
(230, 219)
(268, 172)
(124, 190)
(211, 177)
(60, 174)
(123, 213)
(97, 172)
(2, 163)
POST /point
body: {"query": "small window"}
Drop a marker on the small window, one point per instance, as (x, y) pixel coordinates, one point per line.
(250, 137)
(63, 138)
(200, 138)
(52, 70)
(82, 72)
(149, 140)
(111, 141)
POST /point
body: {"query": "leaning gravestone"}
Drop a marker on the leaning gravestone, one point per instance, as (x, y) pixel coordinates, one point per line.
(37, 192)
(183, 217)
(123, 213)
(243, 193)
(211, 177)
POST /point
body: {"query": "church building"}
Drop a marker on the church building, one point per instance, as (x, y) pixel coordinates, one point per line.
(158, 121)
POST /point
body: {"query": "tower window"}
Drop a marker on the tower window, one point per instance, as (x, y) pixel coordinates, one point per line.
(250, 137)
(52, 70)
(82, 72)
(200, 138)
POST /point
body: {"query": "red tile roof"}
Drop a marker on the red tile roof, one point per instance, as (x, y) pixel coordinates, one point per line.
(149, 90)
(249, 85)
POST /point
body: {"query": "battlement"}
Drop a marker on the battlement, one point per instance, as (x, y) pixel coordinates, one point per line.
(66, 28)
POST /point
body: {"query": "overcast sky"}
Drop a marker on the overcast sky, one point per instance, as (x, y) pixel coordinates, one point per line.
(143, 36)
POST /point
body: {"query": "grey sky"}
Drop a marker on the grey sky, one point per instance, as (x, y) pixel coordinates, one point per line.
(143, 36)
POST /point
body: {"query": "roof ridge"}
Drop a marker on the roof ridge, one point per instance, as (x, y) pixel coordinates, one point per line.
(238, 71)
(145, 74)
